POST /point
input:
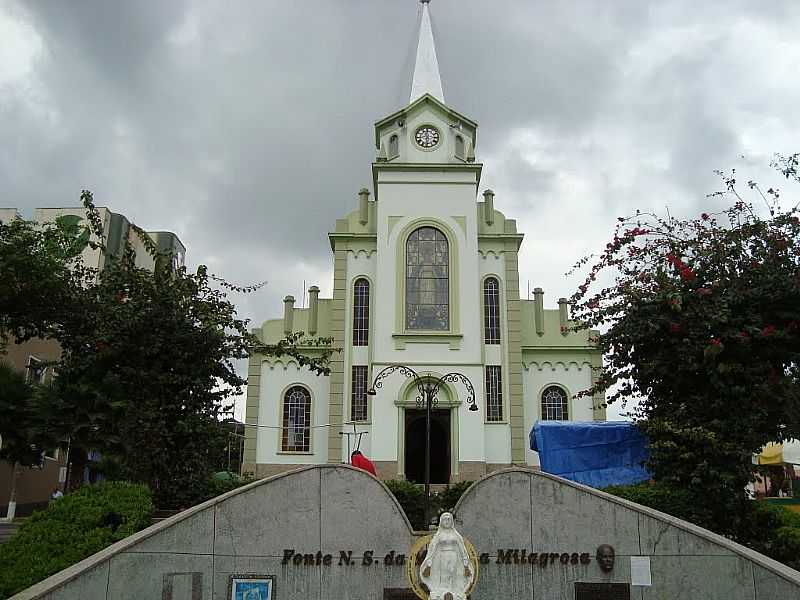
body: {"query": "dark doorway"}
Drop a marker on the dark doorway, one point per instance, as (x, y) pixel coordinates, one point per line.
(415, 446)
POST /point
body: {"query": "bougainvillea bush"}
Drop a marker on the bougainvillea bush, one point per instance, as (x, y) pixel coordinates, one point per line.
(701, 329)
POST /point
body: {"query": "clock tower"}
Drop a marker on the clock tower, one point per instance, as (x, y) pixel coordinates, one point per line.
(425, 275)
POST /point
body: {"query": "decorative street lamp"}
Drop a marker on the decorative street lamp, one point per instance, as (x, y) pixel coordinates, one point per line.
(428, 388)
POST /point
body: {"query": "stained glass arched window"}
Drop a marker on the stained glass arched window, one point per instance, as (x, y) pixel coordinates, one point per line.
(491, 311)
(361, 312)
(555, 405)
(427, 280)
(296, 420)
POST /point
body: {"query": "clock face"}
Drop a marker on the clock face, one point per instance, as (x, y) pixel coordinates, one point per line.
(427, 136)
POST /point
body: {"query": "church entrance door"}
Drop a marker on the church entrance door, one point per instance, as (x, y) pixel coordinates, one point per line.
(415, 446)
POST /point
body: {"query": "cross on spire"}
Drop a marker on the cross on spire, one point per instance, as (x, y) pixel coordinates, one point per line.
(427, 79)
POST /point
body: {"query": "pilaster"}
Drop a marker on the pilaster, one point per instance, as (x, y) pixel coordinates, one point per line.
(516, 415)
(251, 412)
(337, 364)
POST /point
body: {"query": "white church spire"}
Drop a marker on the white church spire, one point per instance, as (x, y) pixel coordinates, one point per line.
(426, 70)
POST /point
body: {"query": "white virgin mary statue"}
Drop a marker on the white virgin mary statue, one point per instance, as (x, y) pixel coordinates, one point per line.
(447, 570)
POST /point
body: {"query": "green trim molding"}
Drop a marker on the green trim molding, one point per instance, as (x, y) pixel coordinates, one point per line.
(516, 413)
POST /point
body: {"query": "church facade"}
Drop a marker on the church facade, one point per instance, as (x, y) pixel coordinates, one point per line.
(426, 280)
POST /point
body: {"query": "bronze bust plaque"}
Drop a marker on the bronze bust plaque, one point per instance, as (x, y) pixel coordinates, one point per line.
(602, 591)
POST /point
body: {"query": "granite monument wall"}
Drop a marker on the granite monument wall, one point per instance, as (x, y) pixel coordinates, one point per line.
(331, 532)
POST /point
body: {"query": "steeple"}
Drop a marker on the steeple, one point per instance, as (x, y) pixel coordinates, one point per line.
(426, 70)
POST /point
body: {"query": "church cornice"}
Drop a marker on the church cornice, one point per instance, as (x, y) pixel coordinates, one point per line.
(336, 237)
(499, 243)
(415, 166)
(378, 167)
(576, 348)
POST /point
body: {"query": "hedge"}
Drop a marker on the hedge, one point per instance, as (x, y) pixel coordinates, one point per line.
(71, 529)
(411, 497)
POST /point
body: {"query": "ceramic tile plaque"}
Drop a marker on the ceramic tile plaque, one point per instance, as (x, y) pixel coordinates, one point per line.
(252, 587)
(602, 591)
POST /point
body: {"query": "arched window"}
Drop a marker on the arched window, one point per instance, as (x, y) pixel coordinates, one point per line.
(394, 146)
(555, 405)
(459, 147)
(491, 311)
(427, 280)
(296, 420)
(361, 312)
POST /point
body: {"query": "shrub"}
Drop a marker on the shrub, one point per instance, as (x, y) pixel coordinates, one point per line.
(411, 497)
(71, 529)
(448, 498)
(775, 531)
(677, 503)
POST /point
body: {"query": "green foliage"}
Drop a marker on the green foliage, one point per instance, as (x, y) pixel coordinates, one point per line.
(676, 502)
(71, 529)
(702, 327)
(448, 497)
(41, 273)
(775, 531)
(26, 424)
(149, 355)
(411, 497)
(769, 529)
(197, 490)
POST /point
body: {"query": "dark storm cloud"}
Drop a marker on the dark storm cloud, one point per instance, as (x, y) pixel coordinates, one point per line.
(246, 127)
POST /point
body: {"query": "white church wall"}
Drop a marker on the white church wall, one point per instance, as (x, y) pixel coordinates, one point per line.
(360, 263)
(497, 436)
(276, 378)
(471, 427)
(386, 419)
(571, 376)
(497, 440)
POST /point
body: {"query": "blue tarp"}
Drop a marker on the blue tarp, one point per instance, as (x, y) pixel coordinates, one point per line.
(595, 453)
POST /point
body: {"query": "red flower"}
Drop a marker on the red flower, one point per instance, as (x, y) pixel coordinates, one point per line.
(768, 330)
(685, 272)
(715, 341)
(674, 327)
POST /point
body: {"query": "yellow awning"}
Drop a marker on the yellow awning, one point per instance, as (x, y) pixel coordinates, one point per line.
(771, 454)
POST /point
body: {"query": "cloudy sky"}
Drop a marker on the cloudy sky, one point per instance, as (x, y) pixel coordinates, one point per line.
(246, 127)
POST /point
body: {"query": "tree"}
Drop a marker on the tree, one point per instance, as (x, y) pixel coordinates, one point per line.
(40, 273)
(27, 426)
(148, 356)
(702, 327)
(149, 368)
